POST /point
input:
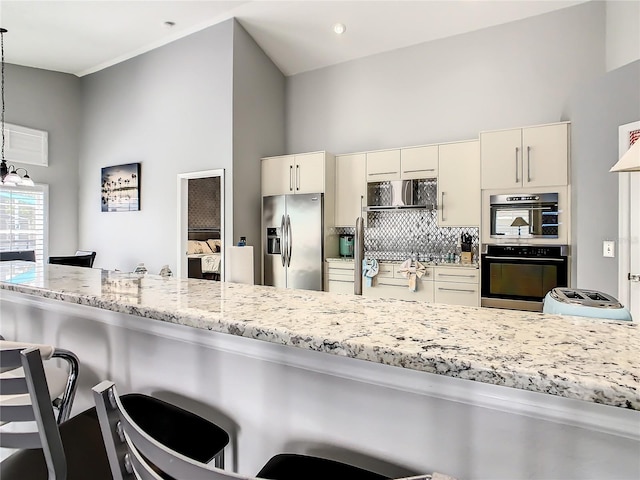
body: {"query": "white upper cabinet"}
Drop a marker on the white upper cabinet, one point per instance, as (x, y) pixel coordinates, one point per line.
(351, 188)
(277, 175)
(525, 157)
(419, 162)
(545, 151)
(291, 174)
(459, 184)
(383, 166)
(309, 171)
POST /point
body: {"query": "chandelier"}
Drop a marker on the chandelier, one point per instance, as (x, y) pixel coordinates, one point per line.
(8, 174)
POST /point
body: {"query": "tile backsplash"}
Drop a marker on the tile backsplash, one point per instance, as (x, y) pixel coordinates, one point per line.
(400, 234)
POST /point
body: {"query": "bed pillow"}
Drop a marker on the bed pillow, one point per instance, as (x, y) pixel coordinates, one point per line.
(197, 246)
(214, 244)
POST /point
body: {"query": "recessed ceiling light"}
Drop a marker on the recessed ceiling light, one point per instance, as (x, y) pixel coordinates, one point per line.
(339, 28)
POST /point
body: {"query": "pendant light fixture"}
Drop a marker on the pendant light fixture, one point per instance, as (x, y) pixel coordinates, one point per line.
(8, 174)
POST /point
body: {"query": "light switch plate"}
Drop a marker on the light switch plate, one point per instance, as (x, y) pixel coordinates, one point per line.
(609, 248)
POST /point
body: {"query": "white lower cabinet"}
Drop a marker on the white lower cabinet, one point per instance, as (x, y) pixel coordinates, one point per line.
(457, 286)
(451, 285)
(391, 283)
(339, 276)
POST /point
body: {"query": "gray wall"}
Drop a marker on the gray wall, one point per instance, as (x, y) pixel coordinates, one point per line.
(597, 109)
(258, 131)
(208, 101)
(50, 101)
(506, 76)
(171, 110)
(519, 74)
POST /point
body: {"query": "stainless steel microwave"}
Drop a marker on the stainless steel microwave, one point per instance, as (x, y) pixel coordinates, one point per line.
(524, 215)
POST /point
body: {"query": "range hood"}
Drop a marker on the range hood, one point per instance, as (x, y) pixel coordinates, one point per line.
(380, 208)
(396, 195)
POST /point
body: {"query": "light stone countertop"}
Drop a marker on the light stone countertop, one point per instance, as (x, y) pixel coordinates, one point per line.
(580, 358)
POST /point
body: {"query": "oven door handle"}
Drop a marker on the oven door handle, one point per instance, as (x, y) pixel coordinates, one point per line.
(488, 257)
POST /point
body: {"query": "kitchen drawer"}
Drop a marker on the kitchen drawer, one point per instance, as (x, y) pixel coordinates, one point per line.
(341, 271)
(397, 273)
(341, 275)
(340, 286)
(386, 270)
(398, 289)
(457, 274)
(340, 266)
(457, 293)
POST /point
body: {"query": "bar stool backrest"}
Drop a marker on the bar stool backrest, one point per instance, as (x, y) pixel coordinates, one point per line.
(126, 444)
(26, 255)
(74, 260)
(39, 408)
(129, 446)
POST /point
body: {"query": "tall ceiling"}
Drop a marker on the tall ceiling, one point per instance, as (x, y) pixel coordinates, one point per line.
(84, 36)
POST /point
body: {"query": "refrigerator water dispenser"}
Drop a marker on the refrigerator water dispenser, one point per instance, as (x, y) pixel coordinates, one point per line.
(273, 241)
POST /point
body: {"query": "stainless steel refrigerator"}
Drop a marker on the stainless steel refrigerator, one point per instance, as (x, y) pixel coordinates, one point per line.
(293, 247)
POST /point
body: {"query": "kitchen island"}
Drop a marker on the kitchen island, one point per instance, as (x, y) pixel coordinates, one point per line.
(472, 392)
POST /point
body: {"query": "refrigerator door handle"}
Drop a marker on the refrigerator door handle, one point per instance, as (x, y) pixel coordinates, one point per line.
(284, 241)
(289, 241)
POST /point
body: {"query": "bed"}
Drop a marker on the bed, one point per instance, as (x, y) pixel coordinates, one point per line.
(204, 253)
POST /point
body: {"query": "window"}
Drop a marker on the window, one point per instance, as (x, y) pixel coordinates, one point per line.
(23, 214)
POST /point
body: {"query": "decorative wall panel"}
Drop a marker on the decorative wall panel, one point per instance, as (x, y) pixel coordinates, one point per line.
(204, 203)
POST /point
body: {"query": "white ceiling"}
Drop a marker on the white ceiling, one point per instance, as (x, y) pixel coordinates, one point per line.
(84, 36)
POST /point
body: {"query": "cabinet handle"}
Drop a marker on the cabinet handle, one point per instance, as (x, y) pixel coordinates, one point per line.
(517, 164)
(528, 163)
(340, 281)
(442, 203)
(381, 173)
(297, 177)
(419, 170)
(380, 284)
(456, 290)
(526, 259)
(290, 178)
(455, 275)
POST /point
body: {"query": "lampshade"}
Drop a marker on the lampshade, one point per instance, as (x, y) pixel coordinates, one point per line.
(519, 222)
(630, 161)
(26, 180)
(12, 179)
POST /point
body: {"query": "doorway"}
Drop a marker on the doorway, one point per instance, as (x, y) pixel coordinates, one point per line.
(201, 251)
(629, 226)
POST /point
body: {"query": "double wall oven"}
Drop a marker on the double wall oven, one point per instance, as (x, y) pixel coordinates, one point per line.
(517, 269)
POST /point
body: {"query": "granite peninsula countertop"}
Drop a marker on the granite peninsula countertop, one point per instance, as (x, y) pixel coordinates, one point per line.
(581, 358)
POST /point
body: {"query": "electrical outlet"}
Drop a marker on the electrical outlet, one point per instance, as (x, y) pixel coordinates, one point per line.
(609, 248)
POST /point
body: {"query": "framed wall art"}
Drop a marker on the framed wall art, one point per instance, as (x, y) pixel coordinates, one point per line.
(121, 188)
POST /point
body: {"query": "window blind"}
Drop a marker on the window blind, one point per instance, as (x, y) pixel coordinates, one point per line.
(23, 219)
